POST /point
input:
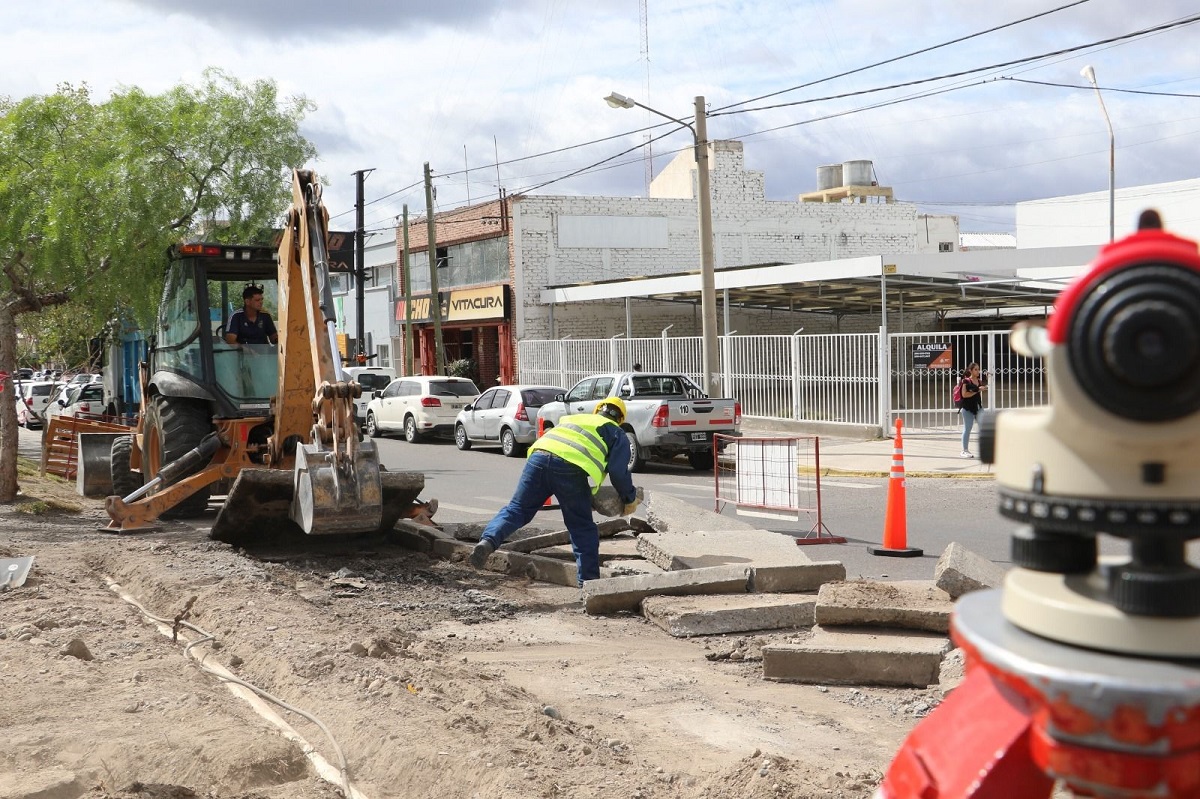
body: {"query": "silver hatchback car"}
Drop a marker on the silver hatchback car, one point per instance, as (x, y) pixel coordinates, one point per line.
(504, 416)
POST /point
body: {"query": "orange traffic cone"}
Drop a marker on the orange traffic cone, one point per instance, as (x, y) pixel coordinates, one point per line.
(895, 525)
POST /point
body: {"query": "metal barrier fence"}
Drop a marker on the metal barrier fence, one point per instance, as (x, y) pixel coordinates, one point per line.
(831, 378)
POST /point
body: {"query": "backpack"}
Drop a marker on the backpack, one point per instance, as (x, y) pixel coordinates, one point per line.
(957, 394)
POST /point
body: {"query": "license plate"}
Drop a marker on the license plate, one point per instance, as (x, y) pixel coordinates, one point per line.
(699, 436)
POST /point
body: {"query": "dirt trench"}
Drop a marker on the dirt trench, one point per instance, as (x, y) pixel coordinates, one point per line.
(433, 680)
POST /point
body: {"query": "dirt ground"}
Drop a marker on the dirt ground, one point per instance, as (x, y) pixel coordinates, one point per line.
(431, 680)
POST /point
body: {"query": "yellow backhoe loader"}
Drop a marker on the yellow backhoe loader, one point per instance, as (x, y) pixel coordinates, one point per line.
(273, 426)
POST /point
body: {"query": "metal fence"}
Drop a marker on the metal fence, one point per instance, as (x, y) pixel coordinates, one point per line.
(831, 378)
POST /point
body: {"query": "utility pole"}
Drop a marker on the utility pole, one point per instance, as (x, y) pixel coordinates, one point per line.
(435, 303)
(408, 342)
(360, 274)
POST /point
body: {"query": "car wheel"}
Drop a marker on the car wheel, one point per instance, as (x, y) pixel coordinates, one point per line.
(410, 430)
(637, 460)
(701, 461)
(508, 444)
(460, 438)
(372, 426)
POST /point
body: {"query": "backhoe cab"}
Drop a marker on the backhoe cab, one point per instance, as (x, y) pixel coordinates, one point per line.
(273, 426)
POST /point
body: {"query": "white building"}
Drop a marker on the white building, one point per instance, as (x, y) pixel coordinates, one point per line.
(1083, 218)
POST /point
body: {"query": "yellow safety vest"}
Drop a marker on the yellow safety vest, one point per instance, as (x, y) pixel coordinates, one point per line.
(576, 439)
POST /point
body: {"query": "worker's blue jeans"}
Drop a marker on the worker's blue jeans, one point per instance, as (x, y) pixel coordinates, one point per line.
(545, 475)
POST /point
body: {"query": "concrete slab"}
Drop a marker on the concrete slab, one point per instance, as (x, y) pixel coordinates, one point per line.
(796, 579)
(695, 549)
(960, 571)
(518, 564)
(530, 543)
(906, 604)
(627, 566)
(663, 513)
(684, 617)
(881, 658)
(610, 549)
(626, 593)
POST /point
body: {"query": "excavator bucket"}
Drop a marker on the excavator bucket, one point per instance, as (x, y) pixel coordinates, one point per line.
(258, 508)
(332, 498)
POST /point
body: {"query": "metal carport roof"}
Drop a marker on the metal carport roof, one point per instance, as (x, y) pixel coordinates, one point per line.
(909, 281)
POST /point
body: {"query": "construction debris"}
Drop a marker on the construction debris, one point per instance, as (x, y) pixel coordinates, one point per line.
(960, 571)
(906, 604)
(685, 617)
(882, 658)
(694, 549)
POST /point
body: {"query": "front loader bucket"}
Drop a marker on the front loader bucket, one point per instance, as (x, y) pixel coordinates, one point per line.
(258, 508)
(331, 499)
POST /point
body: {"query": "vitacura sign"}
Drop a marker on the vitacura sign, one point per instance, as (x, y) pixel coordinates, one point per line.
(461, 305)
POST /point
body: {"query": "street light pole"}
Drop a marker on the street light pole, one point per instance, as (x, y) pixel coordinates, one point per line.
(1090, 74)
(708, 286)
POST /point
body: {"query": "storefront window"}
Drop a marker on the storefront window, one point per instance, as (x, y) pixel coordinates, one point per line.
(467, 264)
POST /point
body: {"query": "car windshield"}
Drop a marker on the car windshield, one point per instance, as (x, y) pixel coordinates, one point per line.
(42, 390)
(537, 397)
(90, 393)
(452, 388)
(372, 381)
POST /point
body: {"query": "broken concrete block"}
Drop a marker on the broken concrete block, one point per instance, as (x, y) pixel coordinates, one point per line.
(795, 579)
(684, 617)
(694, 549)
(907, 604)
(881, 658)
(952, 672)
(517, 564)
(626, 593)
(607, 502)
(663, 513)
(960, 571)
(607, 529)
(626, 566)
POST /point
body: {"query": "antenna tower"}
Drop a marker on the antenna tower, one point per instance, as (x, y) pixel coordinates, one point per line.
(646, 60)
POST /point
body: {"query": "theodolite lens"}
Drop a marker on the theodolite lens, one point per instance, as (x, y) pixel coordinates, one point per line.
(1135, 342)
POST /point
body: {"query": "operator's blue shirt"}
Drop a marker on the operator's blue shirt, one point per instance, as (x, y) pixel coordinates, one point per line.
(618, 461)
(257, 332)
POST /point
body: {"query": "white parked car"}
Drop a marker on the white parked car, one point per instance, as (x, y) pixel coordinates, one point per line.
(504, 416)
(32, 398)
(419, 406)
(77, 398)
(372, 379)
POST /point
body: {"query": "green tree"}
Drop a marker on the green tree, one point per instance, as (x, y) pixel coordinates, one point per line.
(92, 194)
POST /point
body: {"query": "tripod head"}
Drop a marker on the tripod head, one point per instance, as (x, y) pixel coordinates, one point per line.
(1117, 453)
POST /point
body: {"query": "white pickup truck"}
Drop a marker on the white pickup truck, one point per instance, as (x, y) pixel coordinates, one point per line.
(666, 414)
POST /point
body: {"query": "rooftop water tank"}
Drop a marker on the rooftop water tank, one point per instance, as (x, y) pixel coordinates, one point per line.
(857, 173)
(829, 177)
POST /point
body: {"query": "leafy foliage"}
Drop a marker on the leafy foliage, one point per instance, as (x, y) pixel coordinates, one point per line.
(463, 367)
(92, 194)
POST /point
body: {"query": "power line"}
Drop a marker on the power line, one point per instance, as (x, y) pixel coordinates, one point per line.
(906, 55)
(1102, 88)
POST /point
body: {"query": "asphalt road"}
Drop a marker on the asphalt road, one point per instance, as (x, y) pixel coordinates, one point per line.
(471, 486)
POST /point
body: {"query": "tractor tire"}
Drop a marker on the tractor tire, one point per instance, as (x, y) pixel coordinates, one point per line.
(178, 425)
(124, 479)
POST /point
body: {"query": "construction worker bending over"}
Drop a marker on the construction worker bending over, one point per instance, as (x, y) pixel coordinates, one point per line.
(569, 462)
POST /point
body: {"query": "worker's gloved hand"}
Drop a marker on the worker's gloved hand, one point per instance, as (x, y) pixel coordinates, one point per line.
(630, 507)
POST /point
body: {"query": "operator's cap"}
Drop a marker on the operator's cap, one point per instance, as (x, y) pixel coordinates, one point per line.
(613, 408)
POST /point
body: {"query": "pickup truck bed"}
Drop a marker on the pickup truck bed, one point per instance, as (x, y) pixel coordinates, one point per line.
(666, 414)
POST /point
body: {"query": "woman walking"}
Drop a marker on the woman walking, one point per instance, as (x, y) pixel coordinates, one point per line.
(971, 388)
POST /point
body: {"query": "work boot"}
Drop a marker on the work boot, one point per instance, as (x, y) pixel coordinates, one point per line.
(480, 553)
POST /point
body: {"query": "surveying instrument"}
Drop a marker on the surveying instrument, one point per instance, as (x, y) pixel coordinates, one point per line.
(1084, 670)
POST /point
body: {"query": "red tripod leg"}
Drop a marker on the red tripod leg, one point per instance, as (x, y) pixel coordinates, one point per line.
(974, 746)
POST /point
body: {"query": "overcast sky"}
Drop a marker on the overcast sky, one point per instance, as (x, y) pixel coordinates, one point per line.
(456, 82)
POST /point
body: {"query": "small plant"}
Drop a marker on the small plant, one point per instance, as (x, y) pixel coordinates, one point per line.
(463, 367)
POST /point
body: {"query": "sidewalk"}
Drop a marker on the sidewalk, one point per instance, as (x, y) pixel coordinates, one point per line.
(924, 455)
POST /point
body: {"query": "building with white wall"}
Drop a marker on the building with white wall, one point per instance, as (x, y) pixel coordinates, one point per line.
(1083, 218)
(379, 265)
